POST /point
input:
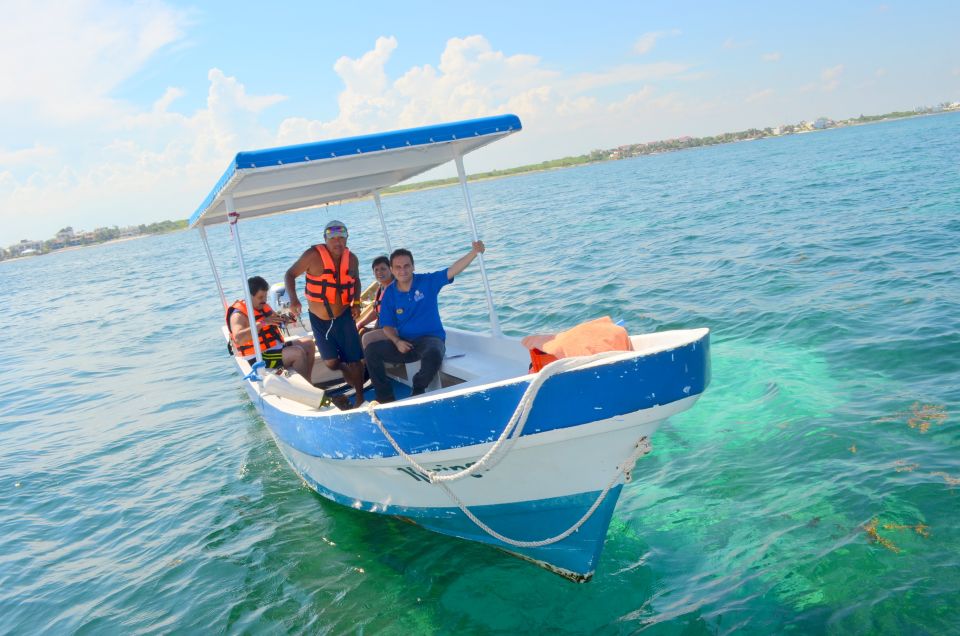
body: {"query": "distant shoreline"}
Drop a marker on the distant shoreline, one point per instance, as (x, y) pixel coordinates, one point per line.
(593, 158)
(524, 170)
(82, 247)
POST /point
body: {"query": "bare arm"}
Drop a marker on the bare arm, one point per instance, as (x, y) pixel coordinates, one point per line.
(369, 315)
(461, 264)
(402, 345)
(290, 281)
(240, 329)
(357, 287)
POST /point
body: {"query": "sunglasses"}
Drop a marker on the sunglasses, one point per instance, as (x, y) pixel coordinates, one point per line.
(335, 231)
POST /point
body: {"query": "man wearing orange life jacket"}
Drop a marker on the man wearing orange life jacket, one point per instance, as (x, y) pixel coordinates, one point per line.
(333, 295)
(296, 354)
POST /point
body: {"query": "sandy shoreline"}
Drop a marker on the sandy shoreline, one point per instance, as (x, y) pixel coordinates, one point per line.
(81, 247)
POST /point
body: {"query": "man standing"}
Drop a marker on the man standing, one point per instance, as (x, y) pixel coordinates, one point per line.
(333, 295)
(293, 354)
(410, 318)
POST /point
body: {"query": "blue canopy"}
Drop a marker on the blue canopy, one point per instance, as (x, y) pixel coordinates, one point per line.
(307, 175)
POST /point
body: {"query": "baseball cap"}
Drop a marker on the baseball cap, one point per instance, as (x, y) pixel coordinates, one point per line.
(335, 228)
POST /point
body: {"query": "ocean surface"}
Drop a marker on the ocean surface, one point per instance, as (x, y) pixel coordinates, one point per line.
(815, 488)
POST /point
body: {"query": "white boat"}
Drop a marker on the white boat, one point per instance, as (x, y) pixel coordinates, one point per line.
(532, 463)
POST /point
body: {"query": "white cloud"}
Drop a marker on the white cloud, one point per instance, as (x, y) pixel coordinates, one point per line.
(34, 155)
(646, 42)
(771, 57)
(626, 74)
(831, 77)
(632, 100)
(731, 44)
(159, 161)
(78, 53)
(880, 72)
(759, 96)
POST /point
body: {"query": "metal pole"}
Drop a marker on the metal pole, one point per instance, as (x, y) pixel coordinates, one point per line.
(383, 224)
(213, 266)
(235, 234)
(494, 323)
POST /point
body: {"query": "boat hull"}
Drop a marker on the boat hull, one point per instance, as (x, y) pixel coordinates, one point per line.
(544, 485)
(583, 429)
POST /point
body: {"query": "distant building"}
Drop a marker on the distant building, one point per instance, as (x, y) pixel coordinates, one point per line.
(26, 247)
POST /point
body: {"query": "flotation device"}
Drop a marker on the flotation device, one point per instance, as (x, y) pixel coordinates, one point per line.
(334, 286)
(586, 339)
(378, 299)
(269, 336)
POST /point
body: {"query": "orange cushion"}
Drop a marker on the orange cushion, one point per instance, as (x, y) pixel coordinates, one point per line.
(589, 338)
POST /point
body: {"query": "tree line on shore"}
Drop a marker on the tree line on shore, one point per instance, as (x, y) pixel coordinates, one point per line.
(68, 238)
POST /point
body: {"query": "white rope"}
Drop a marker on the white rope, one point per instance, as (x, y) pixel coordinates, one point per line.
(513, 428)
(642, 447)
(508, 437)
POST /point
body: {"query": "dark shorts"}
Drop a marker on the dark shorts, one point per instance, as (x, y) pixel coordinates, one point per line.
(272, 359)
(339, 339)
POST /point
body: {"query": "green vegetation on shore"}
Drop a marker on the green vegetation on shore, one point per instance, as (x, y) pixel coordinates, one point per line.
(68, 238)
(681, 143)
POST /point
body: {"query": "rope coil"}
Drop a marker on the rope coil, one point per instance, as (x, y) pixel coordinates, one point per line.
(505, 442)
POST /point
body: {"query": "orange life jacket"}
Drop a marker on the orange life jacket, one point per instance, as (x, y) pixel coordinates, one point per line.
(332, 287)
(378, 299)
(269, 336)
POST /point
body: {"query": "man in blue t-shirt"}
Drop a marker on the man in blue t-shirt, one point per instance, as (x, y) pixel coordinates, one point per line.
(410, 318)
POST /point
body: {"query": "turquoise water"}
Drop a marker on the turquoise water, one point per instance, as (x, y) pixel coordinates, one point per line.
(141, 493)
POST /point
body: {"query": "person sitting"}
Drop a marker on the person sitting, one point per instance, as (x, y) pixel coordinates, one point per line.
(410, 319)
(381, 271)
(296, 354)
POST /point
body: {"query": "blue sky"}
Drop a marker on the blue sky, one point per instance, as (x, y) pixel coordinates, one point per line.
(114, 113)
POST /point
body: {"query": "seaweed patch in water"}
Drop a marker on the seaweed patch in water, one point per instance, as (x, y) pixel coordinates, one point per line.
(875, 537)
(901, 466)
(920, 416)
(921, 528)
(951, 481)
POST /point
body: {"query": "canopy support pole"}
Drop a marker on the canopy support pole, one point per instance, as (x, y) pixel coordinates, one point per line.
(383, 224)
(235, 234)
(213, 265)
(494, 322)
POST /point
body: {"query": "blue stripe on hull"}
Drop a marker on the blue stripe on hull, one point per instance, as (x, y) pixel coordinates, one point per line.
(575, 557)
(566, 400)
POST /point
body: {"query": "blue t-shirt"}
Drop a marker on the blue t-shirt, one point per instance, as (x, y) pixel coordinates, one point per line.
(415, 313)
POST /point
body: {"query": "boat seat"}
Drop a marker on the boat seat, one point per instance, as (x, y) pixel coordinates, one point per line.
(462, 366)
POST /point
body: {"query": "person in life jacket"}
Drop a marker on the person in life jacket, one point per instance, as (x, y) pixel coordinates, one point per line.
(381, 271)
(333, 296)
(293, 354)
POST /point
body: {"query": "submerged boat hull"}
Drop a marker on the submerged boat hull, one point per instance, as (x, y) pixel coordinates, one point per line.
(583, 426)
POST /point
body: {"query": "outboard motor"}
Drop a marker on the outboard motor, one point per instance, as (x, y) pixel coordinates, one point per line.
(277, 297)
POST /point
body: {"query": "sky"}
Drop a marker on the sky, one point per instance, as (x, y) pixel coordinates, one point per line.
(118, 113)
